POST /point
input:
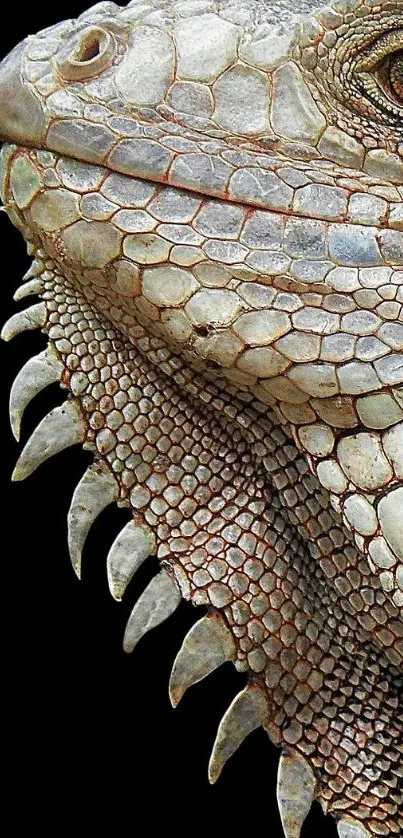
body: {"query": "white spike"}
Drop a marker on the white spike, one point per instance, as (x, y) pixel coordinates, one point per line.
(36, 268)
(38, 373)
(159, 600)
(32, 318)
(247, 712)
(130, 549)
(208, 644)
(34, 286)
(352, 829)
(62, 427)
(95, 491)
(295, 793)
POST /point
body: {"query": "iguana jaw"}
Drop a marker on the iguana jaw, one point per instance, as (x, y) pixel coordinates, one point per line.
(201, 272)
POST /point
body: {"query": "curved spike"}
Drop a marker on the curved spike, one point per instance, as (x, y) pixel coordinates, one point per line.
(159, 600)
(352, 829)
(38, 373)
(295, 793)
(95, 491)
(34, 286)
(208, 644)
(35, 269)
(130, 549)
(247, 712)
(62, 427)
(32, 318)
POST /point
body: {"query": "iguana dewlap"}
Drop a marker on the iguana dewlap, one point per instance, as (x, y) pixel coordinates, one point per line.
(213, 195)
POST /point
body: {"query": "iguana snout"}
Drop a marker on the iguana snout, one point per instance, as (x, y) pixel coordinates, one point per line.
(21, 117)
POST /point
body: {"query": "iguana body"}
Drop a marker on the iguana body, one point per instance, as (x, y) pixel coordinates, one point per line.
(213, 195)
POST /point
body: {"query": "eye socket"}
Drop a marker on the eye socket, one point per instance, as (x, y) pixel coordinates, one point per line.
(396, 75)
(380, 71)
(86, 54)
(389, 77)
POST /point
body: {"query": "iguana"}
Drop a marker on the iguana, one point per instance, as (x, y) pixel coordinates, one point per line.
(212, 193)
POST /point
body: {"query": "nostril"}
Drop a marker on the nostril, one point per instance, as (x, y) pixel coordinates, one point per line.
(89, 48)
(86, 54)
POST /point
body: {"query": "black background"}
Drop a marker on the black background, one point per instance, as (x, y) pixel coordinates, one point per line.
(93, 736)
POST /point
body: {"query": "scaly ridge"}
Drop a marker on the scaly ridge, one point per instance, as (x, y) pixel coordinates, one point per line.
(357, 683)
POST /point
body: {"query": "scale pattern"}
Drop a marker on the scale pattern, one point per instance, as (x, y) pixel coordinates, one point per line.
(214, 202)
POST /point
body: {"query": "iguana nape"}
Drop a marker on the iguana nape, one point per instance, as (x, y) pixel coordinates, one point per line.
(212, 193)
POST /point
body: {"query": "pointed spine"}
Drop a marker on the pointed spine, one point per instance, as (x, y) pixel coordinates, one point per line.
(295, 793)
(23, 321)
(159, 600)
(208, 645)
(39, 372)
(34, 286)
(248, 711)
(95, 491)
(130, 549)
(62, 427)
(35, 269)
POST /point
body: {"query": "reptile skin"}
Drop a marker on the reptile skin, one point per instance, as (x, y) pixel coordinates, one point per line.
(213, 196)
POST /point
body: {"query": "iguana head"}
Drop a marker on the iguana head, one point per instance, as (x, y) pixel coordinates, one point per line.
(213, 193)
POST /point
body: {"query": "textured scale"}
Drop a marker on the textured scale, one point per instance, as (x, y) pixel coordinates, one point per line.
(212, 193)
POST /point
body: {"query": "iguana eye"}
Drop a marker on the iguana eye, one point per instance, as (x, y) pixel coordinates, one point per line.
(394, 75)
(86, 54)
(380, 71)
